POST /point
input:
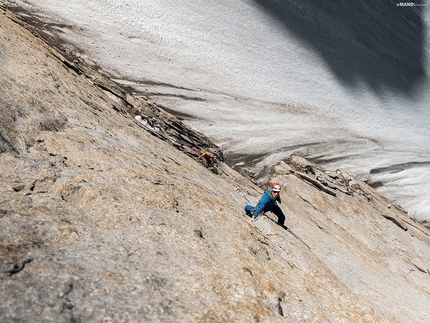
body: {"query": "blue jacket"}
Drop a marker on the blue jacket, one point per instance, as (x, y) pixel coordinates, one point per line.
(266, 203)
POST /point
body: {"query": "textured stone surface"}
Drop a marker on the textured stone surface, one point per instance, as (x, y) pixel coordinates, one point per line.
(103, 218)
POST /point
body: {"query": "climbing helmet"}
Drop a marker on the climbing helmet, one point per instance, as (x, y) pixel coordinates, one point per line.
(275, 187)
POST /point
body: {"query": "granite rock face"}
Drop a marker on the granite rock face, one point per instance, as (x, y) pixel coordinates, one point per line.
(105, 217)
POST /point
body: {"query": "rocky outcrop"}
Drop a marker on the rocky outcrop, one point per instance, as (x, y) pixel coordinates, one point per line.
(108, 217)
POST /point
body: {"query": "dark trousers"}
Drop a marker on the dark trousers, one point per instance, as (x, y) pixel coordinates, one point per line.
(278, 212)
(275, 210)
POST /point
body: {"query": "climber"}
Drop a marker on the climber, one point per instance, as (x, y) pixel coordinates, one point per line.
(208, 161)
(268, 203)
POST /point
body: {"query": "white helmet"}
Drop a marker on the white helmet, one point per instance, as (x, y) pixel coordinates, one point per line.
(275, 187)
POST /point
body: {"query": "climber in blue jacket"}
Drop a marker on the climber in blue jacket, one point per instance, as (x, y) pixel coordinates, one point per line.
(267, 203)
